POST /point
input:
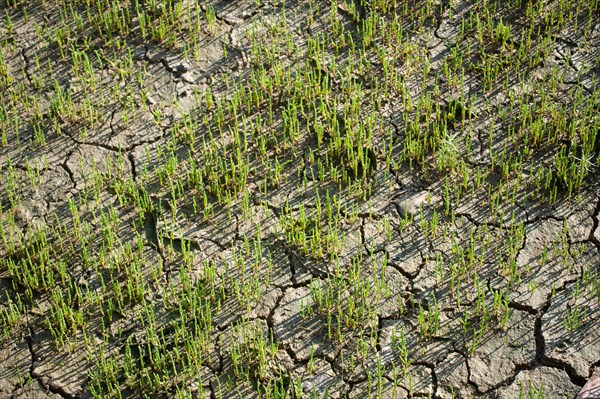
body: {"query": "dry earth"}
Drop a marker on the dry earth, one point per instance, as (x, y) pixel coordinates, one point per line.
(417, 287)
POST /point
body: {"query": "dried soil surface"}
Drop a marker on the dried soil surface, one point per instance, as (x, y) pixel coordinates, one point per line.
(125, 272)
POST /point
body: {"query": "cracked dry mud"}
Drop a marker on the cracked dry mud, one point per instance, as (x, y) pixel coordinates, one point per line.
(184, 214)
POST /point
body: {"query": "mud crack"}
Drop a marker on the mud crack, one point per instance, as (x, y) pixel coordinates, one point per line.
(26, 68)
(595, 217)
(540, 343)
(66, 168)
(131, 159)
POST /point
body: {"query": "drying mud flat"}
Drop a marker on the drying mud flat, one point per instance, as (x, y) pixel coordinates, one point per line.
(299, 199)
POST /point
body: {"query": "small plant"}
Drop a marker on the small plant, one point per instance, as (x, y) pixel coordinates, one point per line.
(399, 344)
(429, 320)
